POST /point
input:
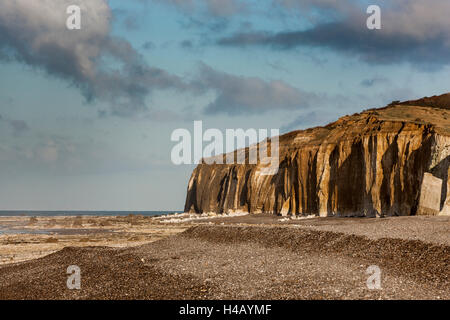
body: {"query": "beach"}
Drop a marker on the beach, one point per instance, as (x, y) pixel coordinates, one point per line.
(25, 238)
(220, 257)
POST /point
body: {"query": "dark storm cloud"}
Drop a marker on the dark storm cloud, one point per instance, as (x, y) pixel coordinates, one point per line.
(245, 95)
(412, 31)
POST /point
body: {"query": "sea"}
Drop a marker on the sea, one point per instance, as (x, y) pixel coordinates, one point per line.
(28, 213)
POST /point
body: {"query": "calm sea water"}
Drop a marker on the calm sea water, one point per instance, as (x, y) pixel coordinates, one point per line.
(25, 213)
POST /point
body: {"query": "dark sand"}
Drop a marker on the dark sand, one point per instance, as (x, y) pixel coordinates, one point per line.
(295, 260)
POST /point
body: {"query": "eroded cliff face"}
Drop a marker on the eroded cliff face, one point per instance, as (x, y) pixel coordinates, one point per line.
(366, 164)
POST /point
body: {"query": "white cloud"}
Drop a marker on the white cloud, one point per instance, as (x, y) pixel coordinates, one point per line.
(35, 33)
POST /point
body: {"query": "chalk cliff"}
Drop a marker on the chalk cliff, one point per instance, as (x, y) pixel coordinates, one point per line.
(381, 162)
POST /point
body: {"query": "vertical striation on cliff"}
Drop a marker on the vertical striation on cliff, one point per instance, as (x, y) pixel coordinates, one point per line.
(367, 164)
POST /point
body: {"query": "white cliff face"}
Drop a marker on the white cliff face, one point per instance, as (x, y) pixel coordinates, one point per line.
(446, 207)
(439, 168)
(369, 164)
(440, 149)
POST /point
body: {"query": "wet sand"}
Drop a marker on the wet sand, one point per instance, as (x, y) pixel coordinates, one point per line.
(244, 257)
(26, 238)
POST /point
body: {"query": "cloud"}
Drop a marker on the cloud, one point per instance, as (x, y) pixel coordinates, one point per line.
(212, 16)
(103, 67)
(215, 8)
(186, 44)
(244, 95)
(108, 68)
(309, 120)
(148, 45)
(413, 31)
(6, 100)
(18, 127)
(225, 8)
(48, 152)
(128, 19)
(373, 81)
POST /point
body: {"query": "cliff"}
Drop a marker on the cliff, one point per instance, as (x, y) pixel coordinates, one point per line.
(388, 161)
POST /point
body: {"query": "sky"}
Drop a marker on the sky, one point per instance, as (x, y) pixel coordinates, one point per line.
(86, 116)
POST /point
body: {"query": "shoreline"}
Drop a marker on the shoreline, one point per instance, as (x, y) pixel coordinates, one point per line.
(26, 238)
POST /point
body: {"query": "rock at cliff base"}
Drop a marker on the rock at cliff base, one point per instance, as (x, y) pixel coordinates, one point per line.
(446, 209)
(430, 195)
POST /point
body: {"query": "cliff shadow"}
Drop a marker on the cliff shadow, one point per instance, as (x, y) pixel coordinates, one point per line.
(408, 176)
(401, 197)
(346, 187)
